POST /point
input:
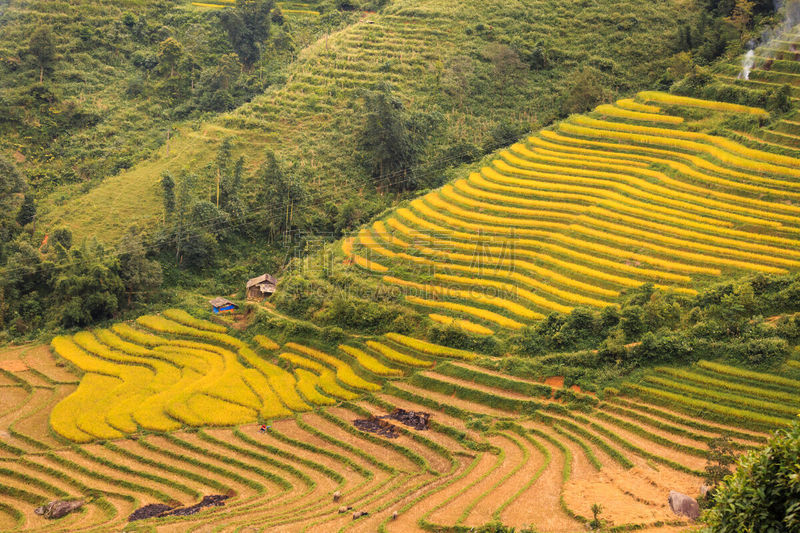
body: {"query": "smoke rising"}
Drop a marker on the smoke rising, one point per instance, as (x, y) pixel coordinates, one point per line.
(763, 51)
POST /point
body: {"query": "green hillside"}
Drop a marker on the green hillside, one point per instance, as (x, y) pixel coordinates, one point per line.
(105, 103)
(486, 72)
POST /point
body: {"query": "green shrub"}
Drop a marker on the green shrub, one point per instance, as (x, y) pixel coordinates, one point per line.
(763, 495)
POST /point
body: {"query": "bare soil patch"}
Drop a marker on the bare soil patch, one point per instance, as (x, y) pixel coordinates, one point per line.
(13, 365)
(41, 358)
(557, 382)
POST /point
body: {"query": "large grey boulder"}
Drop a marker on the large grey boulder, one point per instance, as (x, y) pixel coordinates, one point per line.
(58, 508)
(683, 505)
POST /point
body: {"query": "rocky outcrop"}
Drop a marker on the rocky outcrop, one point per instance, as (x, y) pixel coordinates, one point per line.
(58, 508)
(683, 505)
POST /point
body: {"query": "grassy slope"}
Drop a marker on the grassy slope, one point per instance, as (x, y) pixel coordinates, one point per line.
(101, 110)
(91, 74)
(312, 119)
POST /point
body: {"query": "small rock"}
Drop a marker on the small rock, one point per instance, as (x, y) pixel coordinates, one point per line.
(58, 508)
(683, 505)
(394, 515)
(704, 490)
(342, 509)
(337, 496)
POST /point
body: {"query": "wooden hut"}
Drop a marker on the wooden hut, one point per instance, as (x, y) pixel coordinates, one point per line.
(261, 287)
(221, 305)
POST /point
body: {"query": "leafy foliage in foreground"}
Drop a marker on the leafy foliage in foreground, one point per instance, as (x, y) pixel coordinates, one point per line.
(763, 495)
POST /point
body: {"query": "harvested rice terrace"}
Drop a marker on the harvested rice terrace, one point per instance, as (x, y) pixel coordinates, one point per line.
(563, 447)
(626, 195)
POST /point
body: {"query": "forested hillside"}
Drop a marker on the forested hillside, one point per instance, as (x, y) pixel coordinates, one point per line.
(91, 88)
(471, 77)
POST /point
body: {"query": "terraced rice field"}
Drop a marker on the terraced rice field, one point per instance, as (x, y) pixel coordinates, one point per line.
(775, 64)
(561, 448)
(309, 118)
(578, 213)
(174, 370)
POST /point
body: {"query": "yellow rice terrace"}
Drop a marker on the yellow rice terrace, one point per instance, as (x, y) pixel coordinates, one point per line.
(399, 266)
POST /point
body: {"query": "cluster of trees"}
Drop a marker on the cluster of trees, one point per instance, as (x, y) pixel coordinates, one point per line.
(55, 282)
(721, 25)
(763, 495)
(393, 139)
(653, 326)
(210, 67)
(159, 64)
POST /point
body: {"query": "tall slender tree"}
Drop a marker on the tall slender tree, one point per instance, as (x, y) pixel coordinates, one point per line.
(247, 26)
(42, 47)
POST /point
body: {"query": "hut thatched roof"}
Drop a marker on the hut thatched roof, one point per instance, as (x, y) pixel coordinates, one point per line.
(221, 302)
(258, 280)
